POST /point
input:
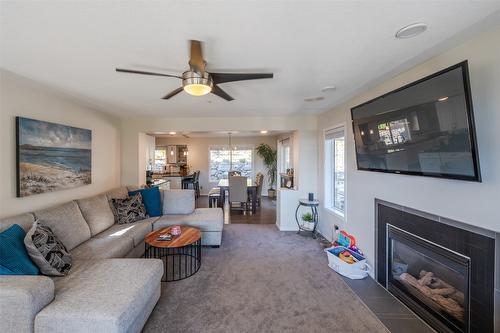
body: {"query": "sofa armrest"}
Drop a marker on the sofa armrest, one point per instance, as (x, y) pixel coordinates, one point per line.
(21, 298)
(177, 202)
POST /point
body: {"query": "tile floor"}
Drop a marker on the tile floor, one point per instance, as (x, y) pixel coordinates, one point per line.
(391, 312)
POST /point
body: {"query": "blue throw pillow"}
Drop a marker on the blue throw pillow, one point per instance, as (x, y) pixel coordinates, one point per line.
(151, 199)
(14, 259)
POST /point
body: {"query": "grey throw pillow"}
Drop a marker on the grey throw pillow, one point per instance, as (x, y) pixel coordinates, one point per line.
(47, 251)
(130, 209)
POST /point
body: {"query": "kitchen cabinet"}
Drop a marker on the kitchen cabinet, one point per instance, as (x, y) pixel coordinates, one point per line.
(175, 182)
(150, 151)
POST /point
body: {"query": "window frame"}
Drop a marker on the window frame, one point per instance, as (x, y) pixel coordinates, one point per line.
(284, 144)
(329, 167)
(225, 147)
(164, 148)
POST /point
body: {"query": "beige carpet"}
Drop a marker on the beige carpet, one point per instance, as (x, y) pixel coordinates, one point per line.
(262, 280)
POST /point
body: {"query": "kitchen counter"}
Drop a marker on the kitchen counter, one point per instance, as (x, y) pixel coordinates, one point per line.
(174, 179)
(168, 174)
(158, 182)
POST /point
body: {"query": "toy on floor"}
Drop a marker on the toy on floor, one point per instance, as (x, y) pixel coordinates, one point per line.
(346, 240)
(347, 257)
(354, 248)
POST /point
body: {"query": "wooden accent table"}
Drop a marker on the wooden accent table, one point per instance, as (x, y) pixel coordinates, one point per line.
(181, 255)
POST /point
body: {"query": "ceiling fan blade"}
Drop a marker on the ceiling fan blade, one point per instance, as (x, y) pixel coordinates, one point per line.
(216, 90)
(173, 93)
(230, 77)
(196, 59)
(122, 70)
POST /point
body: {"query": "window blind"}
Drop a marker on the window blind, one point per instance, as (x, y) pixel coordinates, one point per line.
(334, 133)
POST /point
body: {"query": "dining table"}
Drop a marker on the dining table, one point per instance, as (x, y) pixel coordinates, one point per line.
(251, 188)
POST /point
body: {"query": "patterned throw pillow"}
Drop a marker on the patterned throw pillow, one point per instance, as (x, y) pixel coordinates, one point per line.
(46, 251)
(130, 209)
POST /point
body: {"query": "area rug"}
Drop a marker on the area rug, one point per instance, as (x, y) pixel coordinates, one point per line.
(262, 280)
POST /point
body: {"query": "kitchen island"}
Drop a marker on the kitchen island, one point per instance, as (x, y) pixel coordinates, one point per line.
(174, 178)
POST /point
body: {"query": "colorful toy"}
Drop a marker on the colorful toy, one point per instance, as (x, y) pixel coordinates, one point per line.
(347, 257)
(354, 248)
(346, 240)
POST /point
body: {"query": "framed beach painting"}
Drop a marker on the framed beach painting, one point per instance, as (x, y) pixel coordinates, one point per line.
(51, 157)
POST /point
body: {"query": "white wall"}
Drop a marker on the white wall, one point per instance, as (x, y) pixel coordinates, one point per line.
(198, 158)
(469, 202)
(22, 97)
(305, 157)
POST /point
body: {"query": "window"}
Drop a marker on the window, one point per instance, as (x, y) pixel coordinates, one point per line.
(220, 162)
(285, 155)
(335, 170)
(160, 159)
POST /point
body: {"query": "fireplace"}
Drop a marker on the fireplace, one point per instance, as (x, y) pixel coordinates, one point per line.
(442, 271)
(432, 279)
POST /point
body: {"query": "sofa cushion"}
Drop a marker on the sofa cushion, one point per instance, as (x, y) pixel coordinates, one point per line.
(206, 219)
(117, 193)
(25, 221)
(103, 248)
(21, 298)
(178, 202)
(103, 296)
(137, 230)
(130, 209)
(97, 212)
(151, 199)
(14, 259)
(67, 223)
(46, 251)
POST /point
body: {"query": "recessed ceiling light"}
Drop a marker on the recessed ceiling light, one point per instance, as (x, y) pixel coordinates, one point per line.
(172, 133)
(314, 99)
(442, 99)
(328, 88)
(411, 31)
(263, 132)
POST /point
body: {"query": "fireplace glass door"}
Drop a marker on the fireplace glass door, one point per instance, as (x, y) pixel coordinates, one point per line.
(432, 280)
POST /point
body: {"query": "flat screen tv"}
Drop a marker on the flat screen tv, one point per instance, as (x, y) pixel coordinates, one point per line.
(425, 128)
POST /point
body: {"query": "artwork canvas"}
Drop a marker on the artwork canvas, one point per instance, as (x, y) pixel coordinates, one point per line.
(51, 156)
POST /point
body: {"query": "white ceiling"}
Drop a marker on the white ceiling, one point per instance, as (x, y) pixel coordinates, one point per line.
(75, 47)
(220, 134)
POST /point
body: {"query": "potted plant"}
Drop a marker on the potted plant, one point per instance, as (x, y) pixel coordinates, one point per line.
(308, 221)
(270, 156)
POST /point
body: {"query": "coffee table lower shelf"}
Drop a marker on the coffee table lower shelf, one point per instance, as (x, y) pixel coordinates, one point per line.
(179, 262)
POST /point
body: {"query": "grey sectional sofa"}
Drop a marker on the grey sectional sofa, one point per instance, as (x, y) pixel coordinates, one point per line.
(108, 289)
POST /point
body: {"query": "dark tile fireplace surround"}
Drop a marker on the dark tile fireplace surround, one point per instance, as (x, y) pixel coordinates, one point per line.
(443, 270)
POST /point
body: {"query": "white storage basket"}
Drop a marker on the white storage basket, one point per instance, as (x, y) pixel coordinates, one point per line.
(357, 270)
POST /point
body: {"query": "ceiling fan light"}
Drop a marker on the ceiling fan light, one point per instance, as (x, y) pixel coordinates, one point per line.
(197, 84)
(197, 89)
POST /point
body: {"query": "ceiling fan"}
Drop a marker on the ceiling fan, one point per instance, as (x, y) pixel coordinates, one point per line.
(197, 81)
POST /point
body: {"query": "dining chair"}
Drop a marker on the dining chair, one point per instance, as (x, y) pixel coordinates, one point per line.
(238, 192)
(259, 180)
(233, 173)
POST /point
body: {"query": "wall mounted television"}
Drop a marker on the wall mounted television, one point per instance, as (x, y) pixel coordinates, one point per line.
(425, 128)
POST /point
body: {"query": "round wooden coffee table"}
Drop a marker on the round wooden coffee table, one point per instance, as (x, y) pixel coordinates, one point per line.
(181, 255)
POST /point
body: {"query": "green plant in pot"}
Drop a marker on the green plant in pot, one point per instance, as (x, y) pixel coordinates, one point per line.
(308, 220)
(270, 157)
